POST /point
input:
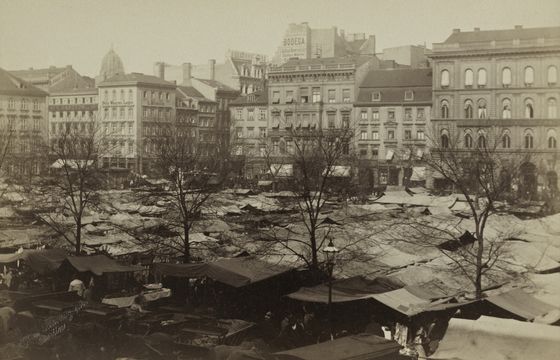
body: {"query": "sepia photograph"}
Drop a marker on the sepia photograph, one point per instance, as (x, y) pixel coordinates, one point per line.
(279, 180)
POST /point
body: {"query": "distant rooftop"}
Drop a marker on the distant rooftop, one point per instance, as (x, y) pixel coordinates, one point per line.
(518, 32)
(216, 84)
(12, 85)
(136, 78)
(256, 98)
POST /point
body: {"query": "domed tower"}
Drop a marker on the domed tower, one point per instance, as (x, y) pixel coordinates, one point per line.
(111, 65)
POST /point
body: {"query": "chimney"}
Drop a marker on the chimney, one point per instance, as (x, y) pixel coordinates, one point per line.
(159, 70)
(211, 69)
(518, 27)
(456, 31)
(187, 74)
(476, 29)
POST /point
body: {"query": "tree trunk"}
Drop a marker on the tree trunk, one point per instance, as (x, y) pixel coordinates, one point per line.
(314, 258)
(186, 244)
(478, 278)
(78, 243)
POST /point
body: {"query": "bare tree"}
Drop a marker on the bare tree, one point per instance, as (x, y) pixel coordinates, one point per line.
(482, 173)
(318, 159)
(76, 181)
(195, 172)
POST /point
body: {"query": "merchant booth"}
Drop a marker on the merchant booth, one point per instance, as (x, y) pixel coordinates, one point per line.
(242, 287)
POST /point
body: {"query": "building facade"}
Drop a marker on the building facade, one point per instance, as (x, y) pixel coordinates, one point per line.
(502, 84)
(392, 117)
(249, 124)
(23, 126)
(302, 42)
(133, 110)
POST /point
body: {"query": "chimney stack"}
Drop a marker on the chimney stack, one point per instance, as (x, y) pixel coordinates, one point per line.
(476, 29)
(456, 31)
(187, 74)
(518, 27)
(211, 69)
(159, 70)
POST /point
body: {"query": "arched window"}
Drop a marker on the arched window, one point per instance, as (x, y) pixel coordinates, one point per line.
(444, 139)
(529, 76)
(529, 109)
(444, 109)
(552, 108)
(552, 142)
(445, 78)
(481, 77)
(528, 140)
(506, 109)
(552, 75)
(468, 109)
(482, 114)
(506, 140)
(469, 76)
(481, 143)
(506, 77)
(468, 141)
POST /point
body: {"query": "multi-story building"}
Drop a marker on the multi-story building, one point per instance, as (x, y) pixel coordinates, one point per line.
(392, 117)
(503, 84)
(240, 70)
(314, 94)
(302, 42)
(23, 125)
(249, 124)
(133, 109)
(198, 115)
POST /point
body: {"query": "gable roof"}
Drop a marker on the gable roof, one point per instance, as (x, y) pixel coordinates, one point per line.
(74, 85)
(99, 264)
(503, 35)
(393, 83)
(38, 73)
(12, 85)
(136, 78)
(217, 85)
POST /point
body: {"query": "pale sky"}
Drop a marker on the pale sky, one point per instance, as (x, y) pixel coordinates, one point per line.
(39, 33)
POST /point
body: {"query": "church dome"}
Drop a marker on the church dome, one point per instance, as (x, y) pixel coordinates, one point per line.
(111, 65)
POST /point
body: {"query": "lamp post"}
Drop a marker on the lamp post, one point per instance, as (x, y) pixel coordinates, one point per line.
(330, 253)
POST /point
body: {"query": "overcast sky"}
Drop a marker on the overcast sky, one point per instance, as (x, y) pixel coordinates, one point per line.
(39, 33)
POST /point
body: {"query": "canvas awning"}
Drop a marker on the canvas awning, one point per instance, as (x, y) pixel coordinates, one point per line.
(526, 306)
(355, 347)
(490, 338)
(344, 290)
(99, 264)
(40, 261)
(236, 272)
(418, 173)
(389, 155)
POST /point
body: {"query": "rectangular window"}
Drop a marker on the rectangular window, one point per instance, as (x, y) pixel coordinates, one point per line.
(250, 115)
(346, 95)
(250, 132)
(121, 113)
(238, 113)
(304, 95)
(345, 120)
(332, 95)
(331, 120)
(420, 113)
(316, 94)
(391, 115)
(262, 114)
(289, 96)
(408, 95)
(391, 134)
(420, 135)
(289, 118)
(375, 135)
(262, 132)
(408, 114)
(408, 134)
(363, 115)
(363, 135)
(130, 128)
(276, 97)
(375, 115)
(275, 146)
(376, 96)
(239, 132)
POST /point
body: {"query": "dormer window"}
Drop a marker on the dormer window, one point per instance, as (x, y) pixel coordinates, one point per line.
(376, 96)
(409, 95)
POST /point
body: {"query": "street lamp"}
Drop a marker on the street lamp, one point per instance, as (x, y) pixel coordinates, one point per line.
(330, 253)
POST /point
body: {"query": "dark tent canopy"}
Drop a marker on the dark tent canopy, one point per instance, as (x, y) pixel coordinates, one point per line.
(236, 272)
(355, 347)
(351, 289)
(40, 261)
(99, 264)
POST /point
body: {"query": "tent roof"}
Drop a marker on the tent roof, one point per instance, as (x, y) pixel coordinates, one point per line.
(522, 304)
(490, 338)
(354, 347)
(236, 272)
(41, 261)
(99, 264)
(351, 289)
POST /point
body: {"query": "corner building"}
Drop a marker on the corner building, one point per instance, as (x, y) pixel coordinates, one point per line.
(504, 84)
